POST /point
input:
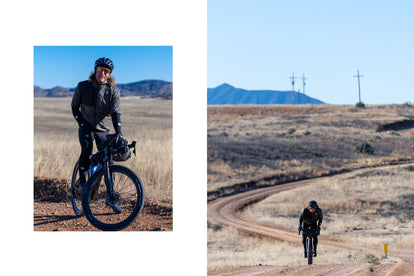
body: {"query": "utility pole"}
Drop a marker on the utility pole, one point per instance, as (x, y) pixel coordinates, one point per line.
(293, 87)
(359, 88)
(303, 79)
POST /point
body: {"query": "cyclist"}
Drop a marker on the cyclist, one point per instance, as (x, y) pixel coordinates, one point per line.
(95, 103)
(310, 217)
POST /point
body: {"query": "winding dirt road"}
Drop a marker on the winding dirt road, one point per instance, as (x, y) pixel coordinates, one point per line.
(225, 211)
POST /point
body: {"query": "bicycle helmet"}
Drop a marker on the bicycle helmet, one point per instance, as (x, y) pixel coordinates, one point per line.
(313, 204)
(104, 62)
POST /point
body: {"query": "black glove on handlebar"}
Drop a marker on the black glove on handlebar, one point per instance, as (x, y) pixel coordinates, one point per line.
(118, 139)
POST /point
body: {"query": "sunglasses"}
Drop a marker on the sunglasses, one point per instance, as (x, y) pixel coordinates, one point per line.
(102, 69)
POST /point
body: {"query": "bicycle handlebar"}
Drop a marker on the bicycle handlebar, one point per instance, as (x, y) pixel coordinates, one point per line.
(132, 145)
(310, 232)
(110, 139)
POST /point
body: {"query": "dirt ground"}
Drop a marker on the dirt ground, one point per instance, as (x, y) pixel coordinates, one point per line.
(59, 216)
(340, 270)
(52, 211)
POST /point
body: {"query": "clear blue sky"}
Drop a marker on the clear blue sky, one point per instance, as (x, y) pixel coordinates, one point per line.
(67, 65)
(259, 44)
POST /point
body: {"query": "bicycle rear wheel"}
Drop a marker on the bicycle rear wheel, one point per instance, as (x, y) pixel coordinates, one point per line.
(128, 196)
(75, 195)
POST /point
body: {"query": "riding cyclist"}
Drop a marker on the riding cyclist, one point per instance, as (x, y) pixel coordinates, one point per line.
(310, 217)
(95, 103)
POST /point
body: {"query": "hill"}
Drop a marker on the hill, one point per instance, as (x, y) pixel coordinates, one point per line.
(145, 88)
(251, 147)
(57, 91)
(227, 94)
(152, 88)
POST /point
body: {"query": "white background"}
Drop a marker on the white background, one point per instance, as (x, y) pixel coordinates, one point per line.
(180, 23)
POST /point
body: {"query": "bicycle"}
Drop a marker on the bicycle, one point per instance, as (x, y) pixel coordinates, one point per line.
(310, 234)
(116, 204)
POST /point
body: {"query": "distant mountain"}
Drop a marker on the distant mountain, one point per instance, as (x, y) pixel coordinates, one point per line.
(151, 88)
(227, 94)
(57, 91)
(146, 88)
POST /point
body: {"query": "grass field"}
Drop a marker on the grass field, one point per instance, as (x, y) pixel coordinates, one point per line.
(265, 145)
(148, 121)
(254, 146)
(369, 209)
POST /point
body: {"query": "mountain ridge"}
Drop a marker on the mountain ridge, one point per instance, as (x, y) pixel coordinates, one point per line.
(145, 88)
(228, 94)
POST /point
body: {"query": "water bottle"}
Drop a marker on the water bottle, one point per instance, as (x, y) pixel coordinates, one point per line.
(94, 168)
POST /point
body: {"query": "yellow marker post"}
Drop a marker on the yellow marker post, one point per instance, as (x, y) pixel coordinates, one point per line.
(385, 250)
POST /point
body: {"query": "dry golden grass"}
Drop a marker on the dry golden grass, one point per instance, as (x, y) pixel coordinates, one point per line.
(369, 210)
(266, 145)
(280, 143)
(228, 248)
(148, 121)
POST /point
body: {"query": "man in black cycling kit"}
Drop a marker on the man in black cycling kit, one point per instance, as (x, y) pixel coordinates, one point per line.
(95, 103)
(310, 217)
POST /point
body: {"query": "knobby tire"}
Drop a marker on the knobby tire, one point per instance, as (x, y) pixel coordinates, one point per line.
(96, 209)
(309, 244)
(75, 196)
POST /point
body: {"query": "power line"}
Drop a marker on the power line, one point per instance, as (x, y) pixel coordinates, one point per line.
(292, 78)
(303, 79)
(359, 87)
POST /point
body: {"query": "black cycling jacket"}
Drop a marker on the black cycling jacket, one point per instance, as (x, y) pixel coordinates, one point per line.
(95, 103)
(309, 218)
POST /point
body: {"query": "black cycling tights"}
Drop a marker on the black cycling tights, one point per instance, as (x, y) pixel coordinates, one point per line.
(86, 137)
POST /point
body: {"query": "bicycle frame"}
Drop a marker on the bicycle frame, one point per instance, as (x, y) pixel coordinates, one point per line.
(106, 163)
(117, 180)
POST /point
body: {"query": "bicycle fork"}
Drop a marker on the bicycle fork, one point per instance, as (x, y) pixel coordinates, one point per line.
(113, 198)
(109, 180)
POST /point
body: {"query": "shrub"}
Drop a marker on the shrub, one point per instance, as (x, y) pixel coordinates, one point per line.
(291, 131)
(408, 104)
(215, 227)
(364, 147)
(370, 258)
(294, 145)
(360, 105)
(410, 168)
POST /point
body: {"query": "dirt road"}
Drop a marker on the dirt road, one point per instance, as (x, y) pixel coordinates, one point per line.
(225, 211)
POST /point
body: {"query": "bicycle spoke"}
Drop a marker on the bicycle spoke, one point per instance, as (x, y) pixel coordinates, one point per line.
(118, 209)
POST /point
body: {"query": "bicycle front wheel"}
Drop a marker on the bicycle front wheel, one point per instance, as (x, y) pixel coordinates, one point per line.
(310, 250)
(112, 211)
